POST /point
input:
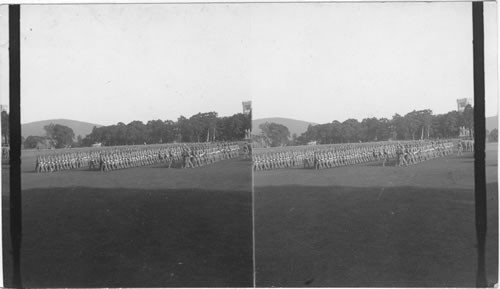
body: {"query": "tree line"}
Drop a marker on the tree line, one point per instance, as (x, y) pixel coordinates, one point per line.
(203, 126)
(200, 127)
(422, 124)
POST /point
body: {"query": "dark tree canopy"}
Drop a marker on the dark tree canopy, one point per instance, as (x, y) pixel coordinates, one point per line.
(62, 135)
(414, 125)
(200, 127)
(33, 142)
(276, 134)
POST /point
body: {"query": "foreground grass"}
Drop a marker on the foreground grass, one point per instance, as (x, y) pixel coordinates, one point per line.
(369, 225)
(364, 237)
(144, 227)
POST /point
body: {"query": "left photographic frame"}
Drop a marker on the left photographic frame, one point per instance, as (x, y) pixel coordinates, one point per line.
(135, 166)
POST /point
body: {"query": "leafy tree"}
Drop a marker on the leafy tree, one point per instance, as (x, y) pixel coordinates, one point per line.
(384, 129)
(452, 123)
(233, 127)
(426, 122)
(185, 131)
(32, 142)
(201, 125)
(414, 125)
(61, 134)
(136, 133)
(400, 127)
(350, 130)
(197, 128)
(370, 128)
(308, 135)
(154, 129)
(169, 131)
(277, 134)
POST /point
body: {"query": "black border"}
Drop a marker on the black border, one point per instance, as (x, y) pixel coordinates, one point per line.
(479, 127)
(15, 140)
(479, 141)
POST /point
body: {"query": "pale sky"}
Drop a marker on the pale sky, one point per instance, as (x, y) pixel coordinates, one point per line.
(111, 63)
(315, 62)
(338, 61)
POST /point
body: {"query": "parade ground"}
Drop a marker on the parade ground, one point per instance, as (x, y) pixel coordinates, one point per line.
(138, 227)
(373, 226)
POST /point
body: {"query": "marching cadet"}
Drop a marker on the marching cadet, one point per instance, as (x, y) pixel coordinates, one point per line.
(186, 155)
(385, 156)
(460, 148)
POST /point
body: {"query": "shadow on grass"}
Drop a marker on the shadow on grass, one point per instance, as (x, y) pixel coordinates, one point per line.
(370, 237)
(88, 237)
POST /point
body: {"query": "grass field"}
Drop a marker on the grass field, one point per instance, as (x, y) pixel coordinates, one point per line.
(140, 227)
(373, 226)
(364, 225)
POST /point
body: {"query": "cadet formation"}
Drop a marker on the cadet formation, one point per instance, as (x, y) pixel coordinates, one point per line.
(192, 155)
(188, 155)
(329, 156)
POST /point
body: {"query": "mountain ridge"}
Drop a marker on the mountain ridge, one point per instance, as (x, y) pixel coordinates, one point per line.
(35, 128)
(294, 125)
(492, 122)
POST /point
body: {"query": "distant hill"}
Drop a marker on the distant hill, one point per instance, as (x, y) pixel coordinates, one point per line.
(36, 128)
(294, 126)
(492, 123)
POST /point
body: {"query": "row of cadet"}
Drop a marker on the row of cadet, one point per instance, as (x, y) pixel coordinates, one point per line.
(187, 154)
(330, 156)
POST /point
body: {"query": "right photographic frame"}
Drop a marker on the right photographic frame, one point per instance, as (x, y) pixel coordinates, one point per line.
(364, 138)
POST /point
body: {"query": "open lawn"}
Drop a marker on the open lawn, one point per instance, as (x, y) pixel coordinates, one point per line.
(140, 227)
(369, 225)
